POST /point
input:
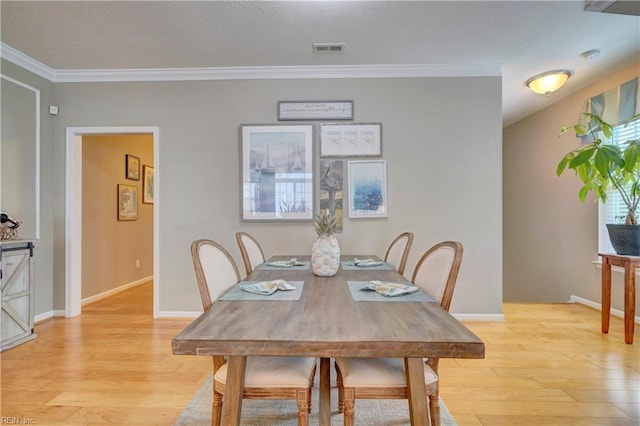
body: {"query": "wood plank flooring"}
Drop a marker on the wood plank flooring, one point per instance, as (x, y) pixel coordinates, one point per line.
(546, 365)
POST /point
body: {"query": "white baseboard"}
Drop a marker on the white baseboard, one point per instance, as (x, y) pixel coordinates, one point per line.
(178, 314)
(480, 317)
(43, 316)
(614, 312)
(105, 294)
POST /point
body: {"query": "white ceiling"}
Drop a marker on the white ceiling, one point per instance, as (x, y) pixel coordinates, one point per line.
(520, 38)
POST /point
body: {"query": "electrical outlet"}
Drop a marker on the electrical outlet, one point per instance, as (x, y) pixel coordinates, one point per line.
(137, 263)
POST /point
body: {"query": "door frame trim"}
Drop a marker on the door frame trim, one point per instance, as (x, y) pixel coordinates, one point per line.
(73, 212)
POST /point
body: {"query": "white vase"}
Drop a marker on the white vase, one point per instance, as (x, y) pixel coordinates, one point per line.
(325, 256)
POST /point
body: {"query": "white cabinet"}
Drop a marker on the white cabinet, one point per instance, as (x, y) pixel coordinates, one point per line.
(17, 275)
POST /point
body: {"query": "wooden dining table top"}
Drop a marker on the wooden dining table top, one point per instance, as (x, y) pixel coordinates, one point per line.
(327, 322)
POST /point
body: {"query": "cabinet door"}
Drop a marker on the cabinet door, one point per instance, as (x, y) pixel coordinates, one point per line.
(17, 318)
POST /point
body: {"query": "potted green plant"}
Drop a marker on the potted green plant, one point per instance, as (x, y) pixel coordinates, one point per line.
(602, 166)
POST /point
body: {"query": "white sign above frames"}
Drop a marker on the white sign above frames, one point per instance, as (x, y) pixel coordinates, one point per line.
(315, 110)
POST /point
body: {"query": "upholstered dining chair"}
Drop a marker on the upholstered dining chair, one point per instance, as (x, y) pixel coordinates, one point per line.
(398, 251)
(250, 250)
(265, 377)
(384, 378)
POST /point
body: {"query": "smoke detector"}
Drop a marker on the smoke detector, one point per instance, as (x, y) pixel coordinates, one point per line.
(328, 47)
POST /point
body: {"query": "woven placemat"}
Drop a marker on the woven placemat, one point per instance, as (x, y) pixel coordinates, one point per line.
(237, 293)
(358, 295)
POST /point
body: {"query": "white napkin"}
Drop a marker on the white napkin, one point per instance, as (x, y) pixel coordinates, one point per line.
(285, 263)
(267, 287)
(363, 263)
(390, 289)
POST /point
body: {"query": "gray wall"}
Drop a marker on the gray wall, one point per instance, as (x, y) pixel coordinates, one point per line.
(550, 238)
(441, 138)
(46, 256)
(18, 192)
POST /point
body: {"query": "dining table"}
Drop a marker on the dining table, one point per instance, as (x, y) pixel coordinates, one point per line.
(327, 317)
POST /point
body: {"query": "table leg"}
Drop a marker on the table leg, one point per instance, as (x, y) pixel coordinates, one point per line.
(414, 371)
(233, 390)
(629, 301)
(324, 408)
(606, 294)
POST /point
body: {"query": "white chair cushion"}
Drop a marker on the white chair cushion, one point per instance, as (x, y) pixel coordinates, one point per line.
(395, 252)
(253, 251)
(377, 372)
(273, 372)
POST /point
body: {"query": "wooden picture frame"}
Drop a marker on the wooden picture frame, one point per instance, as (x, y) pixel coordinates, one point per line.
(351, 140)
(147, 184)
(127, 202)
(367, 188)
(132, 167)
(277, 173)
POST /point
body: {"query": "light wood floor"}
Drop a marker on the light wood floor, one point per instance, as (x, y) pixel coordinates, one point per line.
(546, 365)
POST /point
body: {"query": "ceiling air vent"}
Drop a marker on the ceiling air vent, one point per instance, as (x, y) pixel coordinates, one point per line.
(621, 7)
(328, 47)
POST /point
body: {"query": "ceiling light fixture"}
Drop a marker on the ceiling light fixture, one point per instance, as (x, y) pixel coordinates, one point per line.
(548, 82)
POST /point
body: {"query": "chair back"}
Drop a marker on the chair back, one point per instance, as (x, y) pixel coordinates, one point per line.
(437, 271)
(250, 250)
(398, 251)
(216, 271)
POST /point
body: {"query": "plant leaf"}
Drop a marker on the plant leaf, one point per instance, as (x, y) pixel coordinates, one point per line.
(562, 165)
(583, 193)
(581, 158)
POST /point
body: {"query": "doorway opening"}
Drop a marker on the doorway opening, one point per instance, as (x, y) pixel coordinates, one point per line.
(73, 212)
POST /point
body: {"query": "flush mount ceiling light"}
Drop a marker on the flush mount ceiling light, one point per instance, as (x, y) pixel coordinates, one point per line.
(548, 82)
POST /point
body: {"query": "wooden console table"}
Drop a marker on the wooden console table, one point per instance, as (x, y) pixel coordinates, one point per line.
(629, 263)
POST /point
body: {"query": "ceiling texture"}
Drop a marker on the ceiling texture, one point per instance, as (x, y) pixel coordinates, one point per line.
(155, 40)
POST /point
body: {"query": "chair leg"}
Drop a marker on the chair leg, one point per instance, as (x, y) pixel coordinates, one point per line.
(340, 389)
(434, 410)
(349, 405)
(303, 397)
(216, 411)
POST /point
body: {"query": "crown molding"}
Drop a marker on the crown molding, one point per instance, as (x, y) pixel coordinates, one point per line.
(20, 59)
(251, 73)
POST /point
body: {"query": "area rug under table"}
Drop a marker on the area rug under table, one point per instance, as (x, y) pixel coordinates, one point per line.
(368, 412)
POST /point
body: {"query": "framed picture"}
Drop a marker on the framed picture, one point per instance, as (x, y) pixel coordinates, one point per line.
(132, 164)
(332, 189)
(351, 140)
(315, 110)
(367, 188)
(277, 173)
(127, 202)
(147, 184)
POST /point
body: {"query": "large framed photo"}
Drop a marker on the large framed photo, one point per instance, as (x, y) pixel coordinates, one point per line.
(127, 202)
(277, 172)
(351, 140)
(367, 188)
(315, 110)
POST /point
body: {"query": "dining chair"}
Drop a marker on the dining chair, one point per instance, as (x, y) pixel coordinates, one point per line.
(265, 377)
(384, 378)
(250, 250)
(398, 251)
